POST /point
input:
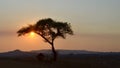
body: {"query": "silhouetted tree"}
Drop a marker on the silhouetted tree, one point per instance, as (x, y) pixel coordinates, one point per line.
(49, 30)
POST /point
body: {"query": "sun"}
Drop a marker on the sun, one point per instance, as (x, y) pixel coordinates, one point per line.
(32, 34)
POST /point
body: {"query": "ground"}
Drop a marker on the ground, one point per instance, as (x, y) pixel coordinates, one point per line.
(64, 62)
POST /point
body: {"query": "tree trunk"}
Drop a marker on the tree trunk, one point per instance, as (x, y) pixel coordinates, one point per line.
(54, 52)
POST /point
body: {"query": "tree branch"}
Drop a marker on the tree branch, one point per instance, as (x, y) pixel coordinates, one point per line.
(44, 38)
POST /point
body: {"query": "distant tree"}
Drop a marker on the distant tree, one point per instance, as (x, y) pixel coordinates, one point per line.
(49, 30)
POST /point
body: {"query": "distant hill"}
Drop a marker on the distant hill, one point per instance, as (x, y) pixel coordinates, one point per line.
(17, 54)
(67, 53)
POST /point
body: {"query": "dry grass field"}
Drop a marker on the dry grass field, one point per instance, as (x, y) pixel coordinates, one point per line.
(80, 61)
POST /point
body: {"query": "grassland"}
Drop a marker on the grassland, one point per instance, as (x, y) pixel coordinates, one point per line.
(78, 61)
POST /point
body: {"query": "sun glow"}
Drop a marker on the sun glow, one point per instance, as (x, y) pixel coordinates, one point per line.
(32, 34)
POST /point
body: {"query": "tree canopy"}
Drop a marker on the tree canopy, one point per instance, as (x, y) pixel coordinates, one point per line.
(48, 29)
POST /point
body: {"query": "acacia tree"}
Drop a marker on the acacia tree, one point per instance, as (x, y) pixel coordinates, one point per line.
(49, 30)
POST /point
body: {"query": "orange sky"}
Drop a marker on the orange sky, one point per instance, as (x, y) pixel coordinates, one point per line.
(76, 42)
(96, 23)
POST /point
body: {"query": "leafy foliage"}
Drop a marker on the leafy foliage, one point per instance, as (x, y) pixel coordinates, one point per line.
(48, 29)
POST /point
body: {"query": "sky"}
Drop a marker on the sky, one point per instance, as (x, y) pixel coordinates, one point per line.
(96, 24)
